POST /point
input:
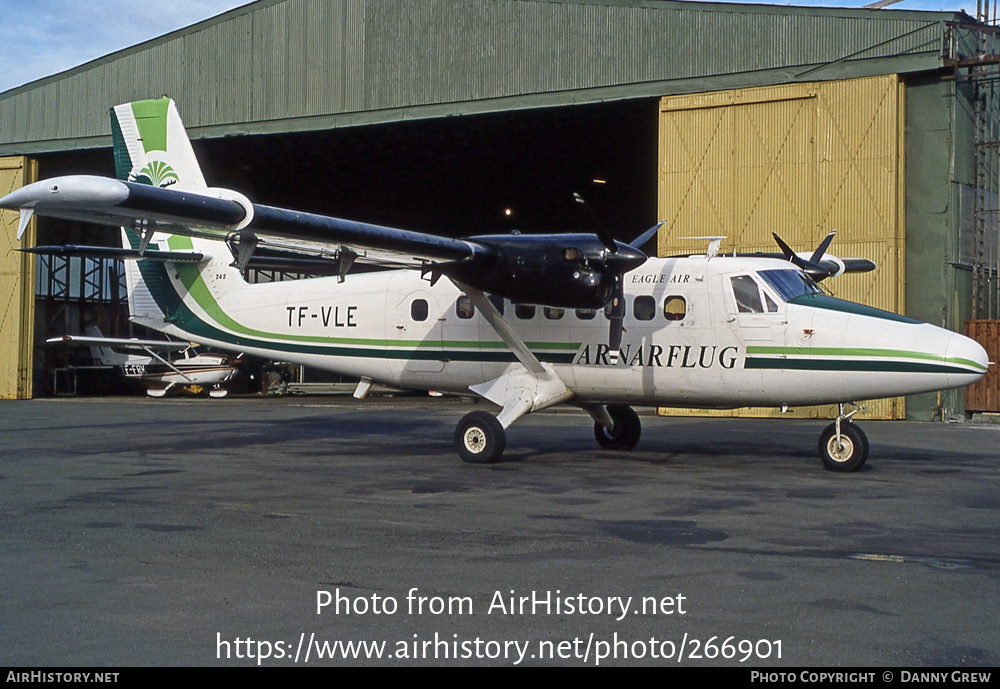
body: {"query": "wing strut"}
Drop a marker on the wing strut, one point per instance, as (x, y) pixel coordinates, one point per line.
(169, 365)
(533, 386)
(506, 333)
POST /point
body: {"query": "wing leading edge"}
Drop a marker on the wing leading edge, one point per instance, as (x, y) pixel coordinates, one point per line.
(218, 214)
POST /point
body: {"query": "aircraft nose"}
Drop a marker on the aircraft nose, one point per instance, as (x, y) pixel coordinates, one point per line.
(967, 354)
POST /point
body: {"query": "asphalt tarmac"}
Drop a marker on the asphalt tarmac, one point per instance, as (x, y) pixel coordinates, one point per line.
(326, 531)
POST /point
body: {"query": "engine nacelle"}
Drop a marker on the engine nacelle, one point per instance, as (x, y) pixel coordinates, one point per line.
(566, 270)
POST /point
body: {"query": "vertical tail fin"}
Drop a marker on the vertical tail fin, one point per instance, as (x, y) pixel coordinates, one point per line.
(151, 145)
(105, 355)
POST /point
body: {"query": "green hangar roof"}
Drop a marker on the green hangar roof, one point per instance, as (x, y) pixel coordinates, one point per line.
(297, 65)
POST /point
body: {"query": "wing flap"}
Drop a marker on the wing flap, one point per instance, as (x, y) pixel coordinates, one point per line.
(119, 253)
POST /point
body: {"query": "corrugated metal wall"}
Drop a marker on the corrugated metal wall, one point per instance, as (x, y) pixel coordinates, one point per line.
(800, 160)
(17, 287)
(291, 65)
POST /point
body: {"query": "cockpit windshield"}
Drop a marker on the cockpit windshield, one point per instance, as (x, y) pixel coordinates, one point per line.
(789, 283)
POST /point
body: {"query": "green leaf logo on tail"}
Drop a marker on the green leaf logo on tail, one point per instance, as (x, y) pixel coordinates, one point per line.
(156, 173)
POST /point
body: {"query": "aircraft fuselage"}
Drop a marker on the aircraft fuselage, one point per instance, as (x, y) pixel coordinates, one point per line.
(699, 332)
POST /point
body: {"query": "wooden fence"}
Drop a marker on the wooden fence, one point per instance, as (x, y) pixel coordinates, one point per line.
(984, 396)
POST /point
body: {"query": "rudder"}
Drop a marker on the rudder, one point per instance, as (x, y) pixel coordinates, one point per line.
(151, 145)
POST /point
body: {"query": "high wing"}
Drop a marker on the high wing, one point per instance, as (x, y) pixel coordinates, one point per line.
(217, 214)
(562, 270)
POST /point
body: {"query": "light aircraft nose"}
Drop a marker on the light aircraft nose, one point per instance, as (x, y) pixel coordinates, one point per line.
(965, 353)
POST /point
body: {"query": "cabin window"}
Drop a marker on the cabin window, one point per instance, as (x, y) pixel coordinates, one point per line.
(497, 302)
(674, 308)
(418, 309)
(524, 311)
(586, 314)
(553, 314)
(747, 294)
(644, 307)
(464, 308)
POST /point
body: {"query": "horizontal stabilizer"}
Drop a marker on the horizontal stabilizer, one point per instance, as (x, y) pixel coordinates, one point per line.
(119, 253)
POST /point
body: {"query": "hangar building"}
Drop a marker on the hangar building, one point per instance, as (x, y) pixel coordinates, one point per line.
(438, 115)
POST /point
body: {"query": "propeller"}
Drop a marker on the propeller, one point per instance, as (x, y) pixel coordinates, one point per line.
(600, 229)
(813, 265)
(618, 260)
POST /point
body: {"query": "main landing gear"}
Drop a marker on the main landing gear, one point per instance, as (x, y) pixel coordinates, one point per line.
(843, 446)
(480, 438)
(623, 431)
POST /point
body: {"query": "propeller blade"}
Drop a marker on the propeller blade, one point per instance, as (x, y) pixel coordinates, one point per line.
(821, 249)
(600, 229)
(616, 315)
(813, 269)
(785, 249)
(638, 242)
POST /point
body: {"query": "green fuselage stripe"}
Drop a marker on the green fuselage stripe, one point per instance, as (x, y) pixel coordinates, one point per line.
(813, 352)
(179, 314)
(851, 365)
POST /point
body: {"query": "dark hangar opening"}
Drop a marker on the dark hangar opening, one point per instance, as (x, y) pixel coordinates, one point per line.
(456, 176)
(452, 176)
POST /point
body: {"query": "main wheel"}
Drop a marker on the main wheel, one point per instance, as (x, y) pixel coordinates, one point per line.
(479, 438)
(847, 455)
(626, 430)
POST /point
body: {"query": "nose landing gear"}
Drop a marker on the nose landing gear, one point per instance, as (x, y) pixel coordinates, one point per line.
(843, 446)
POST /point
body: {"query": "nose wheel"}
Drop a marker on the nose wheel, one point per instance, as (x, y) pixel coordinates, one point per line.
(843, 446)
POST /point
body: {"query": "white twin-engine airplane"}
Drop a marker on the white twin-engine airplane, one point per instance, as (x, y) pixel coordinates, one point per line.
(517, 321)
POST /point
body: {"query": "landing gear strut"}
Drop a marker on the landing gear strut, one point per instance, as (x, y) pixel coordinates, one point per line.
(625, 428)
(842, 445)
(479, 438)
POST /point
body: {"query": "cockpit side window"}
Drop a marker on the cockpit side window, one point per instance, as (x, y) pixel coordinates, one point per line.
(747, 294)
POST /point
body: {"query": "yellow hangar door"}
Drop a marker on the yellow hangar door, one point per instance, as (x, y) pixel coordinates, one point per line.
(800, 160)
(17, 287)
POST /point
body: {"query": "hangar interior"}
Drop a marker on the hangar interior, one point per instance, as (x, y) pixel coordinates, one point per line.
(880, 124)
